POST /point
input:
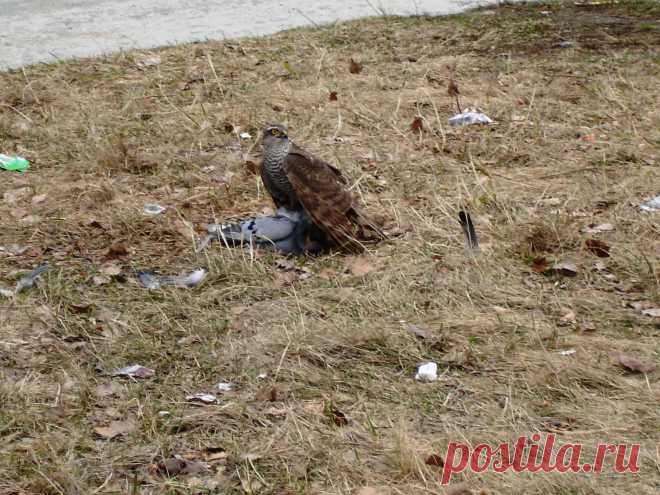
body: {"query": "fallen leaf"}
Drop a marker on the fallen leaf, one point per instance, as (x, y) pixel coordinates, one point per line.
(117, 250)
(115, 429)
(185, 229)
(30, 220)
(251, 167)
(110, 270)
(593, 228)
(540, 265)
(266, 394)
(135, 371)
(334, 414)
(359, 266)
(355, 67)
(417, 125)
(599, 248)
(567, 319)
(146, 62)
(416, 331)
(640, 305)
(634, 364)
(176, 466)
(588, 138)
(652, 312)
(565, 268)
(332, 96)
(100, 280)
(434, 460)
(81, 308)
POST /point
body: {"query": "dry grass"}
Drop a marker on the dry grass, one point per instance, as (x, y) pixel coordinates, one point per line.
(105, 137)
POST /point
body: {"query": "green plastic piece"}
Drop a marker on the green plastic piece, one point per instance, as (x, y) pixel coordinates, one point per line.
(14, 163)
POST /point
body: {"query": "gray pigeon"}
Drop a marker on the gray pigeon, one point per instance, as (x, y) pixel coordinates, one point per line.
(290, 232)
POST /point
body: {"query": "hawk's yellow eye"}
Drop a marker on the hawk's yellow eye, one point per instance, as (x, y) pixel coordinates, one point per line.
(275, 132)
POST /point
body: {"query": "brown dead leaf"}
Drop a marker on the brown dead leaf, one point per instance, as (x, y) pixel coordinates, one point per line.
(175, 467)
(267, 394)
(332, 96)
(334, 414)
(416, 331)
(567, 320)
(565, 268)
(185, 229)
(434, 460)
(251, 167)
(359, 266)
(417, 125)
(115, 429)
(117, 250)
(599, 248)
(634, 364)
(355, 67)
(540, 264)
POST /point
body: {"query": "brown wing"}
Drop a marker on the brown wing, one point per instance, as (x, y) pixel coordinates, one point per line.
(320, 189)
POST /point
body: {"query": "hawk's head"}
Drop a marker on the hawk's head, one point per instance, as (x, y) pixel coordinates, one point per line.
(274, 133)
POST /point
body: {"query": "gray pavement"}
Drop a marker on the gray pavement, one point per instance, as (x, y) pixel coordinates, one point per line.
(48, 30)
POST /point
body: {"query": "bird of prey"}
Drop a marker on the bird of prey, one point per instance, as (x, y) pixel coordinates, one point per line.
(299, 182)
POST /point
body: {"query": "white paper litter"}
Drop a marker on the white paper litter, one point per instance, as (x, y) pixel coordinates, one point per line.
(469, 118)
(427, 372)
(135, 371)
(153, 209)
(202, 397)
(652, 205)
(153, 282)
(225, 387)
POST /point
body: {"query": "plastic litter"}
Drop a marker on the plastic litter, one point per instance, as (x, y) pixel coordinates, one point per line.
(154, 282)
(135, 371)
(427, 372)
(225, 387)
(202, 397)
(652, 205)
(153, 209)
(469, 117)
(14, 163)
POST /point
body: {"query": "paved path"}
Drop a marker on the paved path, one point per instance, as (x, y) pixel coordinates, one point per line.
(47, 30)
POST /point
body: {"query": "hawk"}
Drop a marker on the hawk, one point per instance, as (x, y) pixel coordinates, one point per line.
(299, 182)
